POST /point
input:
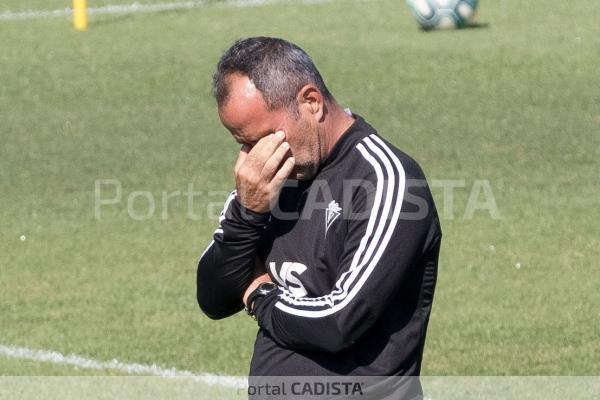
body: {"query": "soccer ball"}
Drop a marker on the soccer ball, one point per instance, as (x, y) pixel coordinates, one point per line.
(433, 14)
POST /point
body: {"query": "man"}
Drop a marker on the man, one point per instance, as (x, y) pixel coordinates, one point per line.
(331, 238)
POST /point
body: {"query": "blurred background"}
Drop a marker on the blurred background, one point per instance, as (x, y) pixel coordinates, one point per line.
(114, 167)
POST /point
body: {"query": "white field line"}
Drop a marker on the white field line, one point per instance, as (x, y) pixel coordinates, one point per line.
(140, 8)
(24, 353)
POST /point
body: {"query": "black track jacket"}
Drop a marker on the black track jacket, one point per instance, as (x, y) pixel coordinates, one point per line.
(354, 253)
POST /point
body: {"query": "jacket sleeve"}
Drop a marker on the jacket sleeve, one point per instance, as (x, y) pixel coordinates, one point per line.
(380, 249)
(226, 266)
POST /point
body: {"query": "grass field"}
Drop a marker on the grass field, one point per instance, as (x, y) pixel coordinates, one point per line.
(514, 103)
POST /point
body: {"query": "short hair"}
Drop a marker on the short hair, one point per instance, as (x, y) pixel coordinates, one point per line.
(276, 67)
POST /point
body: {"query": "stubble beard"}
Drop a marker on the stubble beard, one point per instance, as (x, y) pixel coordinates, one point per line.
(307, 169)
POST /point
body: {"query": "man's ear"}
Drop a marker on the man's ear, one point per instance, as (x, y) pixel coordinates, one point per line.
(310, 100)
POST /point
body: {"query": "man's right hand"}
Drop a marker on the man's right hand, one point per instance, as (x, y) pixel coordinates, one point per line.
(261, 170)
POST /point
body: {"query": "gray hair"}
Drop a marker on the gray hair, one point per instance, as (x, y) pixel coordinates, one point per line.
(278, 69)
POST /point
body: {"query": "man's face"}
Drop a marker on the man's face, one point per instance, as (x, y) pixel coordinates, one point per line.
(246, 116)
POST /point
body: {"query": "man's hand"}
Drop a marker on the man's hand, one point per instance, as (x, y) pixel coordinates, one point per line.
(261, 171)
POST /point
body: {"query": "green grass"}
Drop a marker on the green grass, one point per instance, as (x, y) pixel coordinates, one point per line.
(58, 387)
(18, 367)
(515, 103)
(25, 5)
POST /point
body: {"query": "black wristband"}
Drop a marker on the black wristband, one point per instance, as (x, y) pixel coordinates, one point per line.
(261, 291)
